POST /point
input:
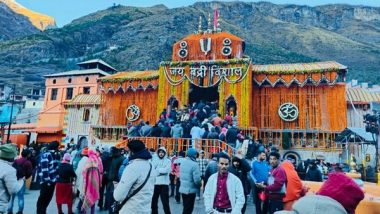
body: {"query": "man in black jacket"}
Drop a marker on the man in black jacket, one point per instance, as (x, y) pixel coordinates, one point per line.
(240, 168)
(117, 160)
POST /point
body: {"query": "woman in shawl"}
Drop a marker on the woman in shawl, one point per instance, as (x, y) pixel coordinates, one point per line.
(92, 180)
(64, 186)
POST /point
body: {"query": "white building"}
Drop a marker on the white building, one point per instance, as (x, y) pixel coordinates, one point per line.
(81, 113)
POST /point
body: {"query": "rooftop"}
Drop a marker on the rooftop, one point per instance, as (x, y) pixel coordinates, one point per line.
(85, 99)
(361, 96)
(130, 76)
(97, 61)
(78, 73)
(298, 68)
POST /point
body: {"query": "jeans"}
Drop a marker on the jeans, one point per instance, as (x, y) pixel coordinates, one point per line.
(188, 203)
(261, 206)
(46, 194)
(161, 191)
(20, 198)
(177, 194)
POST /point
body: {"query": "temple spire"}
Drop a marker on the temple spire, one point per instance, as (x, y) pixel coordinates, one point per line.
(209, 29)
(216, 20)
(200, 25)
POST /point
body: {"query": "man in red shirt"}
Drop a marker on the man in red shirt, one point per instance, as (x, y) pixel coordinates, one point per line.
(224, 192)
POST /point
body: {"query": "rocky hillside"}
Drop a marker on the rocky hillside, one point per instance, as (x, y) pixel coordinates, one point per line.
(131, 38)
(40, 21)
(13, 25)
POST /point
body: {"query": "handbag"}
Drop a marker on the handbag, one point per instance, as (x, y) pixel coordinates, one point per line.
(116, 206)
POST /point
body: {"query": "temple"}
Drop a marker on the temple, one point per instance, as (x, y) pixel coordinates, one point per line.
(300, 107)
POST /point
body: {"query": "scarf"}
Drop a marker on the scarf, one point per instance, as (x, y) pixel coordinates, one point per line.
(143, 154)
(92, 179)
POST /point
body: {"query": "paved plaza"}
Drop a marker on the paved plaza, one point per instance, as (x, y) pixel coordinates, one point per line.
(32, 196)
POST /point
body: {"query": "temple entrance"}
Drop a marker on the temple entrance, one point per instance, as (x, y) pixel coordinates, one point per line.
(197, 94)
(231, 106)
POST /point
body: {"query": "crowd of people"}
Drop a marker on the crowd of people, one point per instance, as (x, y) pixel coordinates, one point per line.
(200, 121)
(132, 178)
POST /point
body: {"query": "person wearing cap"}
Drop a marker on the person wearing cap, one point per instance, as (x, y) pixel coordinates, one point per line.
(64, 189)
(24, 170)
(224, 191)
(276, 187)
(339, 194)
(344, 190)
(48, 173)
(134, 176)
(190, 178)
(162, 165)
(8, 180)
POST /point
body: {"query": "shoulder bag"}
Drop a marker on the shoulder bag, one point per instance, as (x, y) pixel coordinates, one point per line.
(116, 206)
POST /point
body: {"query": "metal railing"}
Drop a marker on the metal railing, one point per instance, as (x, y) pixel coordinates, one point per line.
(209, 146)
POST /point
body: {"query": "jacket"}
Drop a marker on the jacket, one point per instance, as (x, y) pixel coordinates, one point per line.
(190, 176)
(26, 165)
(274, 189)
(12, 185)
(162, 167)
(176, 131)
(134, 176)
(234, 189)
(211, 168)
(66, 173)
(241, 172)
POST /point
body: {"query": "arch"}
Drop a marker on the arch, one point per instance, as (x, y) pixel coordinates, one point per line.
(231, 106)
(292, 155)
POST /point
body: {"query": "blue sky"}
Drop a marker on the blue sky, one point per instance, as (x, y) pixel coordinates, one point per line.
(64, 11)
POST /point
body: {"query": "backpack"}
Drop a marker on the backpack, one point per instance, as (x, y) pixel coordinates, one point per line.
(20, 173)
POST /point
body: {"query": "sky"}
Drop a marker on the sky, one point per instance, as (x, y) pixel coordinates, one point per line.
(64, 11)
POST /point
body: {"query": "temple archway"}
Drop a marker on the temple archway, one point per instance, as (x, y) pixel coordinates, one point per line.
(231, 106)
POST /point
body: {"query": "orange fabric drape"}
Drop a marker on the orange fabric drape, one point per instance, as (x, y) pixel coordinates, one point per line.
(321, 107)
(114, 106)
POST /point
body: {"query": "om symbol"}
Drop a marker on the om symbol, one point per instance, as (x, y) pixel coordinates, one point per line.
(288, 112)
(133, 113)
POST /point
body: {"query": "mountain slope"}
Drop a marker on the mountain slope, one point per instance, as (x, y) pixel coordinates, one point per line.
(13, 25)
(131, 38)
(40, 21)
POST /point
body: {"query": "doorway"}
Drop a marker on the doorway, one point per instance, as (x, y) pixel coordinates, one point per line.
(209, 94)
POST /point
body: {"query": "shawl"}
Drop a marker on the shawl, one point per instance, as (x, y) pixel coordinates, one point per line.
(92, 180)
(294, 183)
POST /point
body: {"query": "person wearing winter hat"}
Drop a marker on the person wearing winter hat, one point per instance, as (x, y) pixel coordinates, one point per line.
(190, 178)
(162, 165)
(64, 189)
(135, 174)
(344, 190)
(10, 184)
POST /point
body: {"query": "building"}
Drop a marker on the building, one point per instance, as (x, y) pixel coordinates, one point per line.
(81, 113)
(358, 105)
(62, 88)
(299, 107)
